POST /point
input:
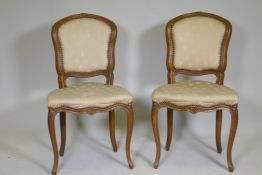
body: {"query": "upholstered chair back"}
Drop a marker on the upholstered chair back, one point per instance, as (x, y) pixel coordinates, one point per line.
(198, 41)
(84, 43)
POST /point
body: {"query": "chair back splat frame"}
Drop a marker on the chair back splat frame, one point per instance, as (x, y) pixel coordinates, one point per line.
(62, 73)
(219, 71)
(105, 34)
(174, 68)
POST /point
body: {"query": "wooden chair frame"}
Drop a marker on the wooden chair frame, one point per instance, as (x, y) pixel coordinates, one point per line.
(219, 73)
(62, 77)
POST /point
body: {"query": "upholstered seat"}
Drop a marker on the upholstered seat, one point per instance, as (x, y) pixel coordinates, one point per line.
(195, 92)
(89, 95)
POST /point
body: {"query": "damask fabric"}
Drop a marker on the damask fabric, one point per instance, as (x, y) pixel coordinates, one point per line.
(197, 42)
(89, 95)
(84, 45)
(195, 92)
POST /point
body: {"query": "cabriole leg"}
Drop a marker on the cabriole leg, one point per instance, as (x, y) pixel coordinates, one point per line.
(154, 115)
(51, 127)
(234, 123)
(130, 121)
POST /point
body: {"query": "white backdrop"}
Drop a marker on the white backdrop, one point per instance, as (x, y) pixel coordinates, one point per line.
(27, 69)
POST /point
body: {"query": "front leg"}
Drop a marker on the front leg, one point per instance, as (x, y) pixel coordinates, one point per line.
(51, 127)
(154, 115)
(233, 129)
(130, 121)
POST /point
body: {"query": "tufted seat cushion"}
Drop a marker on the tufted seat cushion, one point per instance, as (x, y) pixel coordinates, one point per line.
(195, 92)
(89, 95)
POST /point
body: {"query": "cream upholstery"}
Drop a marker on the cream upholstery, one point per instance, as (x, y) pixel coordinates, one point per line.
(197, 42)
(195, 92)
(84, 45)
(89, 95)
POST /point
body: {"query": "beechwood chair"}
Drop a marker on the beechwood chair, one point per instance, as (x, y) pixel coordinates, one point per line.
(197, 44)
(84, 47)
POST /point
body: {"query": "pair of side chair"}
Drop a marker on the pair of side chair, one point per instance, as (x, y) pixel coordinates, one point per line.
(197, 44)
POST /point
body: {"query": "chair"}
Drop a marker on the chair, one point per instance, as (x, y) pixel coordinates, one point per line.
(84, 47)
(197, 44)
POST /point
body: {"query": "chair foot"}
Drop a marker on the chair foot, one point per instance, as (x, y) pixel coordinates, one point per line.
(219, 150)
(167, 148)
(53, 172)
(156, 164)
(61, 153)
(130, 164)
(231, 168)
